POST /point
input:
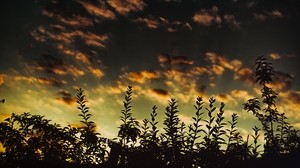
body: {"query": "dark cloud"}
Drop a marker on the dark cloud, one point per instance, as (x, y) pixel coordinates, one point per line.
(161, 92)
(232, 21)
(65, 97)
(282, 81)
(201, 88)
(54, 65)
(174, 60)
(51, 81)
(245, 74)
(294, 97)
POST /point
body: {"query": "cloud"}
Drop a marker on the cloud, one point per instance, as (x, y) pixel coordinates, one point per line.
(40, 80)
(260, 17)
(207, 17)
(96, 72)
(226, 98)
(141, 77)
(216, 59)
(160, 95)
(98, 9)
(150, 22)
(161, 92)
(282, 81)
(126, 6)
(78, 55)
(2, 76)
(274, 14)
(60, 35)
(66, 97)
(74, 20)
(165, 59)
(289, 103)
(163, 23)
(218, 70)
(232, 21)
(51, 64)
(246, 75)
(274, 56)
(198, 70)
(241, 95)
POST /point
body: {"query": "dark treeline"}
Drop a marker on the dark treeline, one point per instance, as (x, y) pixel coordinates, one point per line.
(209, 142)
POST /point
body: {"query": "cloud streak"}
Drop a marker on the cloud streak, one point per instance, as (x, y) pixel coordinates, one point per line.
(126, 6)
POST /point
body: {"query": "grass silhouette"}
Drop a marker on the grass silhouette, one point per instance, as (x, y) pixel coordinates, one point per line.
(32, 141)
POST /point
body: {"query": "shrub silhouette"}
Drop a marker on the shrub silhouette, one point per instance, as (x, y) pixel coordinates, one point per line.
(275, 137)
(208, 142)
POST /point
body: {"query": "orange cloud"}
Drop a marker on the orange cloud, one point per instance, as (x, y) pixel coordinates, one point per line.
(78, 55)
(218, 70)
(161, 22)
(241, 95)
(225, 98)
(68, 70)
(75, 20)
(197, 70)
(214, 58)
(142, 77)
(150, 22)
(207, 17)
(2, 79)
(99, 9)
(289, 103)
(68, 37)
(126, 6)
(96, 71)
(274, 56)
(41, 80)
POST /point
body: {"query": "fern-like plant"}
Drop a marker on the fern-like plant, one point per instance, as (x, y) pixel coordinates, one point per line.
(255, 148)
(194, 129)
(129, 129)
(92, 145)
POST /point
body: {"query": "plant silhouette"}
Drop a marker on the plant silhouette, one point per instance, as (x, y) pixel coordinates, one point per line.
(210, 141)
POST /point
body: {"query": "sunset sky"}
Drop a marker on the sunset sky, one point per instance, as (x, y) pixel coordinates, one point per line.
(163, 48)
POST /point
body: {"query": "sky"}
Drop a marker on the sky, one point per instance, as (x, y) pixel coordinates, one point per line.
(163, 48)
